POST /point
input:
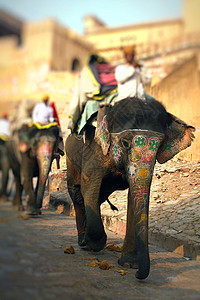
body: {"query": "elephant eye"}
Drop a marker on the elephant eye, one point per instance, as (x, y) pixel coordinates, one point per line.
(125, 144)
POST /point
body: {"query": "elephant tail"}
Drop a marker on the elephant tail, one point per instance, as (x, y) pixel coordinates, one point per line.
(113, 207)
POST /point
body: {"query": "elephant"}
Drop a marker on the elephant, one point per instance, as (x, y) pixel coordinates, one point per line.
(4, 167)
(120, 153)
(31, 151)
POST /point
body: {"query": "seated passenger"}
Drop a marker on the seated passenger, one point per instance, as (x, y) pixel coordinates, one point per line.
(42, 112)
(95, 83)
(4, 126)
(131, 76)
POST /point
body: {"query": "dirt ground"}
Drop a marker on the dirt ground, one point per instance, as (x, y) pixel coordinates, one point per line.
(174, 179)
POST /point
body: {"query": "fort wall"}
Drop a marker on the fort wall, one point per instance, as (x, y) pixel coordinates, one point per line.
(179, 92)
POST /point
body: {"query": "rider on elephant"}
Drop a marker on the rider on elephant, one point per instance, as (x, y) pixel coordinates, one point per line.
(131, 76)
(4, 127)
(95, 84)
(44, 113)
(101, 82)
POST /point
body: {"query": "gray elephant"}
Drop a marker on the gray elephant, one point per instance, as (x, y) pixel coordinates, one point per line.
(120, 154)
(31, 151)
(4, 168)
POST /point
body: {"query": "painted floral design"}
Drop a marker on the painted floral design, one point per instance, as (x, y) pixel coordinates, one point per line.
(134, 155)
(143, 173)
(154, 144)
(103, 140)
(147, 159)
(140, 141)
(103, 124)
(44, 151)
(116, 152)
(132, 169)
(141, 197)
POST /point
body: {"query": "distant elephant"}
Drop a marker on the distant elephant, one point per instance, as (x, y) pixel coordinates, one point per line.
(31, 151)
(120, 154)
(4, 168)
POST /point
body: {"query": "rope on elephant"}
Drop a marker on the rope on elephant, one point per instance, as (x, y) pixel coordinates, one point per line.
(43, 126)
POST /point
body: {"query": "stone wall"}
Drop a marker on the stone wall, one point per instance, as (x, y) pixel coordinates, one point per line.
(179, 92)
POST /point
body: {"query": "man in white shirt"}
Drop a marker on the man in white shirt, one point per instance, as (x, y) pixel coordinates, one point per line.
(130, 76)
(4, 126)
(42, 112)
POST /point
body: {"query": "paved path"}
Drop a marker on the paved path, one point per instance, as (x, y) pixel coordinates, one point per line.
(33, 265)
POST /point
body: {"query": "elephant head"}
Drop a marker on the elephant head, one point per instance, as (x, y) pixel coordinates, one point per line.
(134, 134)
(37, 146)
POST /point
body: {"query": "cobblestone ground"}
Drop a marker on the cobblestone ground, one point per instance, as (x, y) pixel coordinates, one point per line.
(33, 264)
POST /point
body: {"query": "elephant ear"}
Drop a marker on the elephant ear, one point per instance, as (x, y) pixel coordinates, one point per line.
(22, 139)
(102, 134)
(178, 137)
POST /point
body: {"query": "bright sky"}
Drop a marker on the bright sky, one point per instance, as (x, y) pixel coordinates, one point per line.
(71, 13)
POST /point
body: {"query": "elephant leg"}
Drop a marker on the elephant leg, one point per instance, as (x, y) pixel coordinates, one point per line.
(4, 176)
(4, 184)
(17, 201)
(27, 168)
(74, 189)
(95, 236)
(129, 253)
(79, 207)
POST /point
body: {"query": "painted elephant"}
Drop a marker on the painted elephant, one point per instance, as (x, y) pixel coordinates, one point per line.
(4, 168)
(120, 154)
(30, 152)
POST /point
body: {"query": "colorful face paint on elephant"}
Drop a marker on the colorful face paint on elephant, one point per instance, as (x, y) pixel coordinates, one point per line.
(141, 161)
(116, 151)
(44, 156)
(142, 157)
(103, 132)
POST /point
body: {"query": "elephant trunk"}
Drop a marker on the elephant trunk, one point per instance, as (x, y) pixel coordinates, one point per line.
(140, 177)
(140, 165)
(139, 195)
(44, 158)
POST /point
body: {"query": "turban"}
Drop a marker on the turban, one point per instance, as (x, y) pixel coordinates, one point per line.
(45, 97)
(129, 50)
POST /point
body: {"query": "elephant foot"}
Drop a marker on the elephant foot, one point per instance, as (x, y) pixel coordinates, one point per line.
(144, 267)
(81, 240)
(129, 260)
(18, 207)
(95, 245)
(32, 211)
(3, 198)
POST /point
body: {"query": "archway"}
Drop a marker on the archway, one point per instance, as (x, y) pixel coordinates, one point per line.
(75, 65)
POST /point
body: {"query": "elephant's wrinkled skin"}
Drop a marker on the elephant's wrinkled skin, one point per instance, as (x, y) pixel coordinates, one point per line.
(4, 168)
(121, 154)
(30, 152)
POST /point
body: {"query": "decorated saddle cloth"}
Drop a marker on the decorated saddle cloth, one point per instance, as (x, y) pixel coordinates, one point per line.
(43, 126)
(90, 112)
(102, 75)
(3, 139)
